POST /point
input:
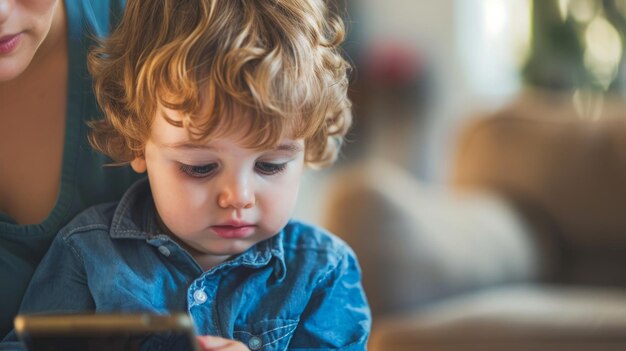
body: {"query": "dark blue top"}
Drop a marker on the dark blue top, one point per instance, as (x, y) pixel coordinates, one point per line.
(300, 289)
(84, 180)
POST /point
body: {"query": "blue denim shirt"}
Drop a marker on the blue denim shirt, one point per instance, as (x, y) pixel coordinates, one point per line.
(300, 289)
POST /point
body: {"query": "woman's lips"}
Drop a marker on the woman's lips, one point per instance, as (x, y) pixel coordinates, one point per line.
(233, 232)
(9, 42)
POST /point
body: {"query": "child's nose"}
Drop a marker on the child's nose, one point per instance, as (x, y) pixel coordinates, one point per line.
(237, 194)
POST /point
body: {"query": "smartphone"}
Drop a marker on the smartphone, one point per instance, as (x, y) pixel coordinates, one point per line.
(96, 332)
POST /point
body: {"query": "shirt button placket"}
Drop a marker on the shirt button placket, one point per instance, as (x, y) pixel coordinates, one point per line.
(200, 297)
(255, 343)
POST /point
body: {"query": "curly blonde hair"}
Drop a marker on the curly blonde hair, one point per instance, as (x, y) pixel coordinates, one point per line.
(271, 66)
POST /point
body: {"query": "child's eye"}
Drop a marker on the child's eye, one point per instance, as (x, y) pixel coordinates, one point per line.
(269, 168)
(198, 171)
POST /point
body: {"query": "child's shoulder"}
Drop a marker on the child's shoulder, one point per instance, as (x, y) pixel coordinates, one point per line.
(300, 236)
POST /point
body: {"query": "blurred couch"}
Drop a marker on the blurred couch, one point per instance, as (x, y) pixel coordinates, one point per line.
(524, 249)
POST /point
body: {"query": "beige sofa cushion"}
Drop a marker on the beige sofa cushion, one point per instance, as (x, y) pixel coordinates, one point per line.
(416, 243)
(512, 318)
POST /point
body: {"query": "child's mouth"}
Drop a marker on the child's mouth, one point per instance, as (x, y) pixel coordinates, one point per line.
(233, 232)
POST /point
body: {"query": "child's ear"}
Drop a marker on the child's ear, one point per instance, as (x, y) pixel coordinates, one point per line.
(138, 164)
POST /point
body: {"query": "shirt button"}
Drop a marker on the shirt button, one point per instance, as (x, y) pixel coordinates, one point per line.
(255, 343)
(199, 296)
(164, 250)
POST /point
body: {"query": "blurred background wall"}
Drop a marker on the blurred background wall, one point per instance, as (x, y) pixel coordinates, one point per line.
(464, 54)
(424, 68)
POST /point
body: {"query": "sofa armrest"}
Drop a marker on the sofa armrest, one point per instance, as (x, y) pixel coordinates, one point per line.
(567, 171)
(417, 244)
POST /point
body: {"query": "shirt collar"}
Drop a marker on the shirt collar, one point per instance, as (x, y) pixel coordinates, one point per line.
(135, 215)
(135, 218)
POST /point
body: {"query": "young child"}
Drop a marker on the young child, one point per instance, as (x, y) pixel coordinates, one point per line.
(223, 104)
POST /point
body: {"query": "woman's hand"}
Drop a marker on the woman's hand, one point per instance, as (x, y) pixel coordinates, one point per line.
(214, 343)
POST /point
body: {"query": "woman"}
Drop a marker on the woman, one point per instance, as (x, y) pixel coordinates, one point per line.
(48, 172)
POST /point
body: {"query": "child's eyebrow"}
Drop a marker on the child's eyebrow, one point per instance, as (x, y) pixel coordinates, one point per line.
(288, 146)
(189, 146)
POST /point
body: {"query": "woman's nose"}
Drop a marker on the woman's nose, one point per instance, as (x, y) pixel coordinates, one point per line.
(237, 194)
(6, 7)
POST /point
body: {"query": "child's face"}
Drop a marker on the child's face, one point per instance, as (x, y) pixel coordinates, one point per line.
(24, 24)
(220, 198)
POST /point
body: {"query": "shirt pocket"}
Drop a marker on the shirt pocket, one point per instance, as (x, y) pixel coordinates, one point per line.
(267, 335)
